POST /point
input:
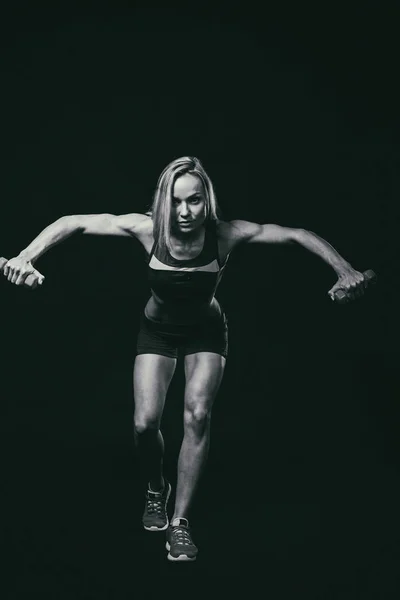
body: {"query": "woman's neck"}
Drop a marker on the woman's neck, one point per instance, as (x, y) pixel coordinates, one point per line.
(187, 240)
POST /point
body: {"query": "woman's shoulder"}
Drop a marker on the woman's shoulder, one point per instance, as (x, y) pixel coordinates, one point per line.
(231, 231)
(141, 227)
(143, 223)
(229, 235)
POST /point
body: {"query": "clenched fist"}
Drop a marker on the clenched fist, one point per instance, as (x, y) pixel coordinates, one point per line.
(18, 269)
(352, 283)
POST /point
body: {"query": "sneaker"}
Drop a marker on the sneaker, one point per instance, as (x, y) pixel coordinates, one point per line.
(179, 544)
(155, 517)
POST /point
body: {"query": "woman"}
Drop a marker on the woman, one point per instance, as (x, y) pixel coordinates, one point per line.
(188, 247)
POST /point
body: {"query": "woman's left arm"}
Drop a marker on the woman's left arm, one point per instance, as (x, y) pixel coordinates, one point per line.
(349, 280)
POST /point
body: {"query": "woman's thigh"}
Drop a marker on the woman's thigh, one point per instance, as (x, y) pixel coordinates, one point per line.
(152, 374)
(203, 374)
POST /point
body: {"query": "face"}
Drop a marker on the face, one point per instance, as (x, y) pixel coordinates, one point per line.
(188, 204)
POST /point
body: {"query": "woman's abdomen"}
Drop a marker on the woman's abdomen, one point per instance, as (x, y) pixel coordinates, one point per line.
(185, 313)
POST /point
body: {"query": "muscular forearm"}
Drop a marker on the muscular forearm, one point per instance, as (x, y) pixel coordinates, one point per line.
(50, 236)
(321, 248)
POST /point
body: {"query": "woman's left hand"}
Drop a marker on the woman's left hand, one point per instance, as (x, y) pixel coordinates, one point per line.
(352, 282)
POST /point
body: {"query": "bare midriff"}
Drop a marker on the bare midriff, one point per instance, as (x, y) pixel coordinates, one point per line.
(185, 314)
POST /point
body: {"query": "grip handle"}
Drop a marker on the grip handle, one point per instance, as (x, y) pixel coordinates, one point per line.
(369, 277)
(30, 281)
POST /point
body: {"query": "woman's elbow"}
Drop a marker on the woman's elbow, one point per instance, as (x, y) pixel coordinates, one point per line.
(71, 223)
(298, 234)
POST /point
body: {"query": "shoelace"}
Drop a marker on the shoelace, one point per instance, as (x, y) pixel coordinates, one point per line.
(181, 536)
(155, 506)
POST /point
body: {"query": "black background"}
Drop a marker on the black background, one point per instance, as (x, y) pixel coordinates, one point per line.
(293, 108)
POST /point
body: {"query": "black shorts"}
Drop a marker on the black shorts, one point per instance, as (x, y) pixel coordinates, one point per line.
(175, 341)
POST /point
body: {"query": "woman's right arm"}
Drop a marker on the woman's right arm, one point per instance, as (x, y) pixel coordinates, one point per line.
(17, 269)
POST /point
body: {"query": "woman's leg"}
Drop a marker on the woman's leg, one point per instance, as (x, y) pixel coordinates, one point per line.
(152, 375)
(203, 372)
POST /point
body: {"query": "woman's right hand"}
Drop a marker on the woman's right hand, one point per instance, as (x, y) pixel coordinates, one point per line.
(17, 270)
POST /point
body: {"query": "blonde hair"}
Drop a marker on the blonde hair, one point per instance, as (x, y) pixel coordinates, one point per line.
(160, 210)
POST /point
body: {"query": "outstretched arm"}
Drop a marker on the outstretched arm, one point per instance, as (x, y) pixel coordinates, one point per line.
(349, 279)
(17, 269)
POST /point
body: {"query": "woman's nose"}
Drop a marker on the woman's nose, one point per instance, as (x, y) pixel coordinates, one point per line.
(184, 209)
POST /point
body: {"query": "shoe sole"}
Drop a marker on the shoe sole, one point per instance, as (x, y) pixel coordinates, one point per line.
(180, 558)
(154, 527)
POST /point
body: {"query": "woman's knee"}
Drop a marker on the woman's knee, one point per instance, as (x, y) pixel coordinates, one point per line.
(144, 423)
(197, 419)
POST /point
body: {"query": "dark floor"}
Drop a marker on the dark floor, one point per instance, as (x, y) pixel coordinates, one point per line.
(304, 520)
(301, 493)
(78, 534)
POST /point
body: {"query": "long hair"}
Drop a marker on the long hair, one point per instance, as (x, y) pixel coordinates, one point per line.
(160, 210)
